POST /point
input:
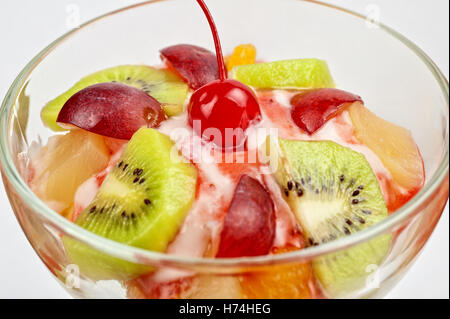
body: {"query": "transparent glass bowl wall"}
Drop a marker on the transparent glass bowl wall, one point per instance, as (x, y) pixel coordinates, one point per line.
(396, 80)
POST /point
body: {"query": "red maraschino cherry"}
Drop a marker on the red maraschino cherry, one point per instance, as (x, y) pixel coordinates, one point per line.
(226, 107)
(223, 105)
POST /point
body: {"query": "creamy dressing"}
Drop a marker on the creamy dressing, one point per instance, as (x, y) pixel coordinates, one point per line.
(85, 195)
(86, 192)
(200, 232)
(339, 130)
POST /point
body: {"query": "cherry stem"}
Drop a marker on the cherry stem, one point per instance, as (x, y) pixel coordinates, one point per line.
(219, 54)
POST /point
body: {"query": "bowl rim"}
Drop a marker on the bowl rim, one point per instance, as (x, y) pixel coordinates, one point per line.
(143, 256)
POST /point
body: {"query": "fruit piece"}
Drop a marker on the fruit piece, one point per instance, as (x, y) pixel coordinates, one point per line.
(393, 144)
(111, 109)
(142, 203)
(114, 145)
(242, 55)
(134, 290)
(289, 74)
(249, 228)
(343, 274)
(64, 164)
(69, 212)
(221, 111)
(146, 287)
(279, 282)
(333, 193)
(311, 110)
(163, 85)
(51, 264)
(196, 65)
(214, 287)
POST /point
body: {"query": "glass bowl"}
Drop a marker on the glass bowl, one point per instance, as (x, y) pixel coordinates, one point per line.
(397, 80)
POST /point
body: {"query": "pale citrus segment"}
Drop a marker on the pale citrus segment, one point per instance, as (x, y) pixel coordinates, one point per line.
(64, 164)
(214, 287)
(288, 74)
(393, 144)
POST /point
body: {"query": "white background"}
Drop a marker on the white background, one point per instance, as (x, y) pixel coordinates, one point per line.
(27, 26)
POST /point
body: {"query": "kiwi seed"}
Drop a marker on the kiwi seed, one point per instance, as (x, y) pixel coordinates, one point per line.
(144, 211)
(163, 85)
(290, 185)
(337, 195)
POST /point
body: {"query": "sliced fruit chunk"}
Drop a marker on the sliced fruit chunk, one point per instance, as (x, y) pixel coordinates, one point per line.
(312, 109)
(349, 273)
(214, 287)
(114, 145)
(289, 74)
(163, 85)
(69, 212)
(333, 192)
(244, 54)
(196, 65)
(393, 144)
(249, 228)
(64, 164)
(142, 203)
(111, 109)
(146, 287)
(221, 112)
(279, 282)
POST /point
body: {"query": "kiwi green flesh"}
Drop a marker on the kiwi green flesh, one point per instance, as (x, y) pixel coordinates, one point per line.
(142, 203)
(333, 193)
(350, 273)
(163, 85)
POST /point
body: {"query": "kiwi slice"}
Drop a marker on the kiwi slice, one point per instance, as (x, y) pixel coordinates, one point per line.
(164, 85)
(333, 193)
(288, 74)
(142, 203)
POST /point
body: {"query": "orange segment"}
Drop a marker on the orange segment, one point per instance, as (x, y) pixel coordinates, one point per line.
(393, 144)
(134, 291)
(280, 282)
(64, 164)
(69, 212)
(243, 55)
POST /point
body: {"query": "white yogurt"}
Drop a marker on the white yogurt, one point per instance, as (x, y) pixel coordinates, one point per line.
(204, 222)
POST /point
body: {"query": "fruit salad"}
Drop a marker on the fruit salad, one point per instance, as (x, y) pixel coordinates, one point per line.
(206, 156)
